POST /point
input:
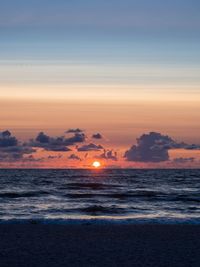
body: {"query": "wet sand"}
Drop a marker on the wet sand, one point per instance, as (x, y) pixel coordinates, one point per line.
(35, 245)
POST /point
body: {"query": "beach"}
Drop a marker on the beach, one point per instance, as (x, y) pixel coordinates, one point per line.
(53, 245)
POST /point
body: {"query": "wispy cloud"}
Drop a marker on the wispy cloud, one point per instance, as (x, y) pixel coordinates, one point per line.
(90, 147)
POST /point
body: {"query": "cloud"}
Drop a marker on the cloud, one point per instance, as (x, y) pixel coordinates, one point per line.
(30, 158)
(6, 140)
(58, 148)
(192, 147)
(54, 157)
(183, 160)
(90, 147)
(74, 157)
(77, 130)
(11, 149)
(97, 136)
(42, 138)
(77, 138)
(152, 147)
(108, 154)
(56, 143)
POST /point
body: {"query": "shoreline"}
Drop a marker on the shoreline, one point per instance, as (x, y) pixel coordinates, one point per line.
(30, 245)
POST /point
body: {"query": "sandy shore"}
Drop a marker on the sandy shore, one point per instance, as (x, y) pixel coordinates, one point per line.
(32, 245)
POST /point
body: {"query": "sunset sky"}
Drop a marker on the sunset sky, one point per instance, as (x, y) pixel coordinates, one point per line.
(119, 69)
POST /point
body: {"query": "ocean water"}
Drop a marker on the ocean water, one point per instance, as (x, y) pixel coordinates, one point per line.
(121, 196)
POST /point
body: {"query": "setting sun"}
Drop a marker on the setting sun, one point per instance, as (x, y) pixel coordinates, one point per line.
(96, 164)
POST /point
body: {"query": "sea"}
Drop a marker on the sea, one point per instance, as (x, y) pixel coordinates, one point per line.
(99, 196)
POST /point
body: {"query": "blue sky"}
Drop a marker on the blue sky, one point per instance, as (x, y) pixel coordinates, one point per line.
(114, 14)
(90, 30)
(94, 30)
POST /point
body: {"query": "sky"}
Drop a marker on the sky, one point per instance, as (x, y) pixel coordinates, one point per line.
(120, 69)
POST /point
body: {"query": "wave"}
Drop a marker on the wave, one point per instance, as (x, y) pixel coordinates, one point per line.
(93, 186)
(101, 209)
(73, 194)
(23, 194)
(186, 199)
(113, 195)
